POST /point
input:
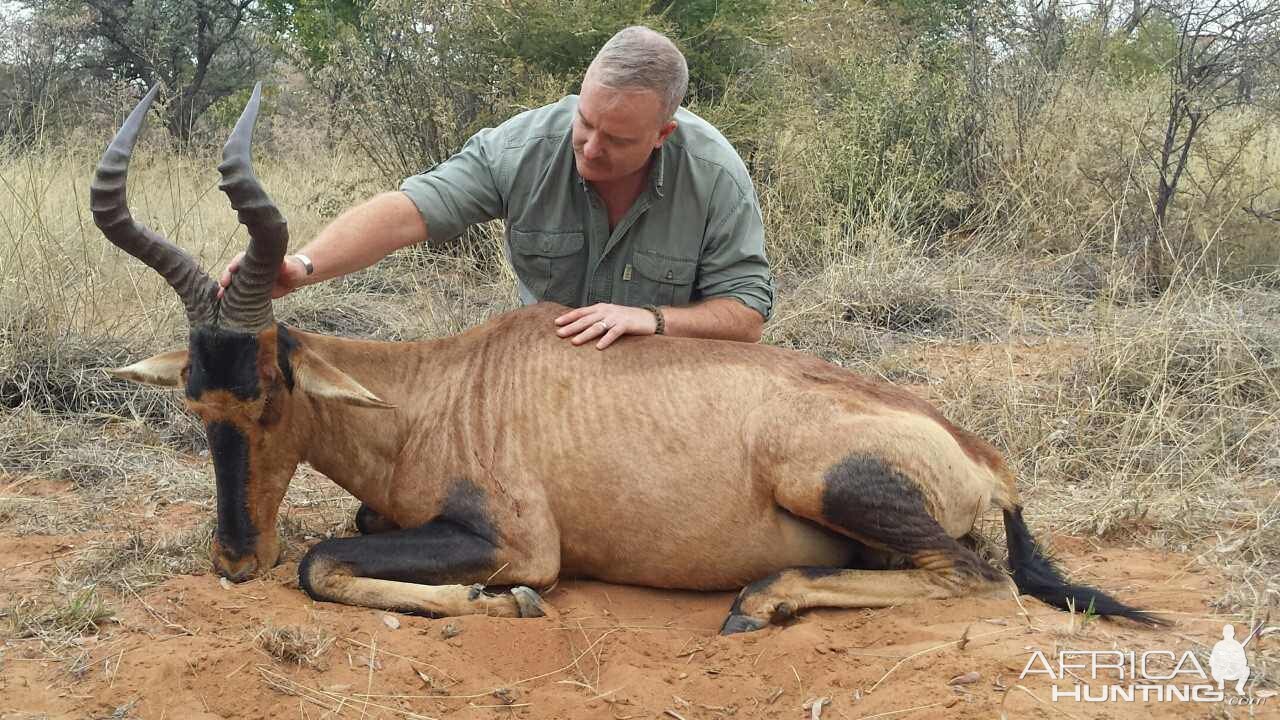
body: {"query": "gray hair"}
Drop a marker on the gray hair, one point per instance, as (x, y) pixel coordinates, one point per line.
(638, 58)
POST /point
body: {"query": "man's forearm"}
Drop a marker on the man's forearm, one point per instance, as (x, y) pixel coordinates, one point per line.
(718, 318)
(363, 235)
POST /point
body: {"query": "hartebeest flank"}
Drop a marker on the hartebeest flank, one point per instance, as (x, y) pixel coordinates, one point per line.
(505, 455)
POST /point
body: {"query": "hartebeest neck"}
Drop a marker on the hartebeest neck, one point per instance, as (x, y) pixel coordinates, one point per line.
(354, 446)
(451, 394)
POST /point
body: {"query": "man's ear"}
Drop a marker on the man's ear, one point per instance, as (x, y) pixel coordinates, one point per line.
(666, 131)
(164, 369)
(314, 376)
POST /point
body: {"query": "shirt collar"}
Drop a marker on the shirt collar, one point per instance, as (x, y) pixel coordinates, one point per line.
(658, 170)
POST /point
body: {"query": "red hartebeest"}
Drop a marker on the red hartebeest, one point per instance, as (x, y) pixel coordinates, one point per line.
(507, 455)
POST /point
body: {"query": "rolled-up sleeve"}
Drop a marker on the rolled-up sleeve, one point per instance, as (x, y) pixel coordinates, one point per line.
(733, 262)
(461, 191)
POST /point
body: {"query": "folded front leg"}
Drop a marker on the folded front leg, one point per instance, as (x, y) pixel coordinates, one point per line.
(435, 569)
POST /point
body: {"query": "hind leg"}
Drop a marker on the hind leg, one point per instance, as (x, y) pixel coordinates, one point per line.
(871, 502)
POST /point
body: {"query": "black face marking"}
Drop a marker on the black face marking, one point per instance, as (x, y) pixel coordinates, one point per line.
(230, 451)
(222, 360)
(286, 343)
(878, 503)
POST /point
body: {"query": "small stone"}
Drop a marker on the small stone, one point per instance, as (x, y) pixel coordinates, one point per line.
(391, 621)
(968, 678)
(506, 696)
(450, 630)
(225, 583)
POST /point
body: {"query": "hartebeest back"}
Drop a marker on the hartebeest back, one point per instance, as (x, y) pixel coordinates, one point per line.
(506, 455)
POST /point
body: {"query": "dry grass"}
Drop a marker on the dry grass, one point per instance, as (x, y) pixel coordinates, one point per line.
(1160, 430)
(65, 377)
(80, 612)
(58, 622)
(143, 559)
(295, 645)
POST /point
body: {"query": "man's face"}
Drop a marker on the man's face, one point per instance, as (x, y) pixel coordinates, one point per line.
(615, 131)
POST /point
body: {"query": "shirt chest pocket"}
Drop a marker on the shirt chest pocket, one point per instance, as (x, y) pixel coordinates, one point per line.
(660, 280)
(549, 264)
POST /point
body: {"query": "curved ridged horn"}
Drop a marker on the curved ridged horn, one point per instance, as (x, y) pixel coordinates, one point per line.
(247, 302)
(111, 214)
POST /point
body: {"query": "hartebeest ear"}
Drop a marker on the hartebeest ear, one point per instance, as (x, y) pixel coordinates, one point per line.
(314, 375)
(164, 369)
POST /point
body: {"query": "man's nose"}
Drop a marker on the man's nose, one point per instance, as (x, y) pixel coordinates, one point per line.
(592, 149)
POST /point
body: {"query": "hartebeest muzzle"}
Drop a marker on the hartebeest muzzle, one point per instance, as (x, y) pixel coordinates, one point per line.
(230, 365)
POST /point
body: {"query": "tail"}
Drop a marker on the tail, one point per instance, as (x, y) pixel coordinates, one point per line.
(1035, 575)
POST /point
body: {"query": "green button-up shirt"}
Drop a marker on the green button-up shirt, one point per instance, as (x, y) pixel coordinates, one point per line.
(694, 233)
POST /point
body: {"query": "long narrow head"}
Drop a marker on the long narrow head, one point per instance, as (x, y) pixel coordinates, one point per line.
(239, 368)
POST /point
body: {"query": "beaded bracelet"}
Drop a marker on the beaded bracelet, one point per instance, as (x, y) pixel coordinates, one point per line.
(661, 328)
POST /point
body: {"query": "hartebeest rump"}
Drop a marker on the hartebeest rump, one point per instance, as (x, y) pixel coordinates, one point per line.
(506, 455)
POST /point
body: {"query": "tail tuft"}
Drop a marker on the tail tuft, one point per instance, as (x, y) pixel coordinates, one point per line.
(1035, 575)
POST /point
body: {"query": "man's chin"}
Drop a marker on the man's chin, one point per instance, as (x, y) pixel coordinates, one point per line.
(591, 174)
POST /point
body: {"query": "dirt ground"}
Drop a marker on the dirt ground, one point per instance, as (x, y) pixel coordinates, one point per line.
(193, 647)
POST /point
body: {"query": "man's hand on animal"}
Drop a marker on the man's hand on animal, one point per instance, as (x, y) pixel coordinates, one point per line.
(292, 272)
(614, 197)
(606, 323)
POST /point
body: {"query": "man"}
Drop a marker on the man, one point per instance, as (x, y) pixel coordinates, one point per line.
(618, 203)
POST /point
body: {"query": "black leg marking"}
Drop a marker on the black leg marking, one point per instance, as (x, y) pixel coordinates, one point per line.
(369, 522)
(458, 547)
(465, 507)
(438, 553)
(887, 515)
(877, 503)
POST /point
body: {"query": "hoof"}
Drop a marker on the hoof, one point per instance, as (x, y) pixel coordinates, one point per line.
(529, 602)
(741, 623)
